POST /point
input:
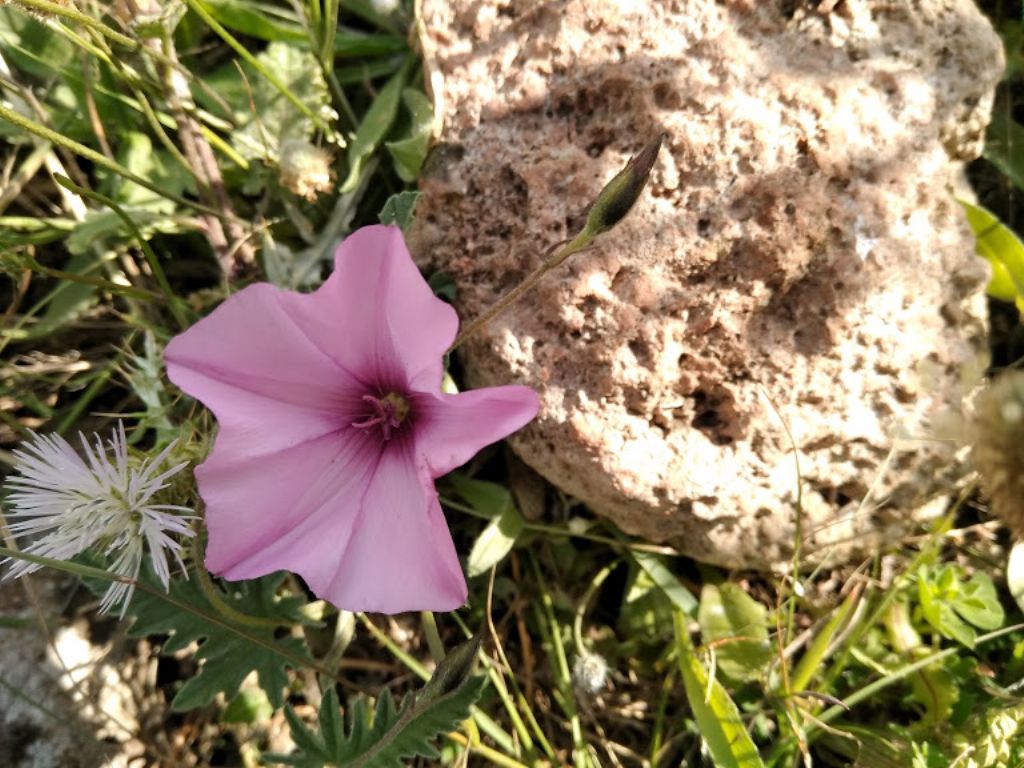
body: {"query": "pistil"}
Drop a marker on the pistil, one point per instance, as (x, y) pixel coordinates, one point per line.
(387, 412)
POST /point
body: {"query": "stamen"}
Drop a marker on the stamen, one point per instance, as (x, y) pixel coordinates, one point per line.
(388, 412)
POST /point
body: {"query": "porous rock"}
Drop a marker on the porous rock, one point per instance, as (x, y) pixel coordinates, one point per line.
(798, 272)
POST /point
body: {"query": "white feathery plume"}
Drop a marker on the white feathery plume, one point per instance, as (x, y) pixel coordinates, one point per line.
(65, 504)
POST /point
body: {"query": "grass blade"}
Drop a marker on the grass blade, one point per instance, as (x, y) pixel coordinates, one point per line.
(717, 717)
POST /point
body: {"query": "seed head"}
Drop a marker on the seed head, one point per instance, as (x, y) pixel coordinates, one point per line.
(64, 504)
(305, 169)
(997, 436)
(590, 672)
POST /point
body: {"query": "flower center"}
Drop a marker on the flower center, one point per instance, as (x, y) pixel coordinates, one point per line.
(388, 412)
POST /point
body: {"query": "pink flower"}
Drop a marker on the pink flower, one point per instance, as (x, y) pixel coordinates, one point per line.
(333, 428)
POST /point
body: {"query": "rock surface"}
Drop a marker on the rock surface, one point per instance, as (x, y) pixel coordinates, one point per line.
(41, 725)
(797, 272)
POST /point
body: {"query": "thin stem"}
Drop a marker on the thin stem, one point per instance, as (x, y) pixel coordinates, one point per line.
(577, 244)
(609, 208)
(56, 9)
(493, 755)
(154, 263)
(567, 699)
(581, 609)
(870, 690)
(520, 699)
(207, 173)
(97, 282)
(98, 158)
(498, 678)
(554, 530)
(433, 636)
(212, 594)
(414, 666)
(200, 9)
(487, 725)
(83, 400)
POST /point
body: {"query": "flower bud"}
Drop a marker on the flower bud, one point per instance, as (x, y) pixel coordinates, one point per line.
(619, 194)
(997, 434)
(305, 169)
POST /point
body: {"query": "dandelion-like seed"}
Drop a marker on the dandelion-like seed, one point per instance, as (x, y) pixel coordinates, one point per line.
(590, 672)
(65, 504)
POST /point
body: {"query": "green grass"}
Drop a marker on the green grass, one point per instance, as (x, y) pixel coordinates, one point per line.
(142, 164)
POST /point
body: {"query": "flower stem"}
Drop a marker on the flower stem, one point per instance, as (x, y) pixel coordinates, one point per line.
(608, 209)
(432, 635)
(212, 594)
(577, 244)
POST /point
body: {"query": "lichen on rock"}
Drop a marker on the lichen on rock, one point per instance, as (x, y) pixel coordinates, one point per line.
(797, 273)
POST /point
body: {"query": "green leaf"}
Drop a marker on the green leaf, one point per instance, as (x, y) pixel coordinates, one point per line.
(266, 21)
(978, 603)
(812, 661)
(99, 227)
(1004, 251)
(293, 270)
(1012, 33)
(73, 298)
(136, 153)
(408, 153)
(666, 581)
(143, 374)
(22, 34)
(443, 286)
(227, 657)
(717, 716)
(259, 20)
(375, 125)
(937, 607)
(990, 740)
(487, 498)
(738, 626)
(495, 541)
(267, 118)
(385, 737)
(951, 605)
(399, 208)
(352, 44)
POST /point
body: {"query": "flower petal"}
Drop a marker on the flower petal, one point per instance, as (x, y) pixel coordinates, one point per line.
(268, 384)
(395, 330)
(450, 429)
(291, 510)
(401, 556)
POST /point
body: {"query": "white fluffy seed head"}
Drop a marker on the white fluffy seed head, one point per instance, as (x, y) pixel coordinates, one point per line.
(590, 672)
(64, 504)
